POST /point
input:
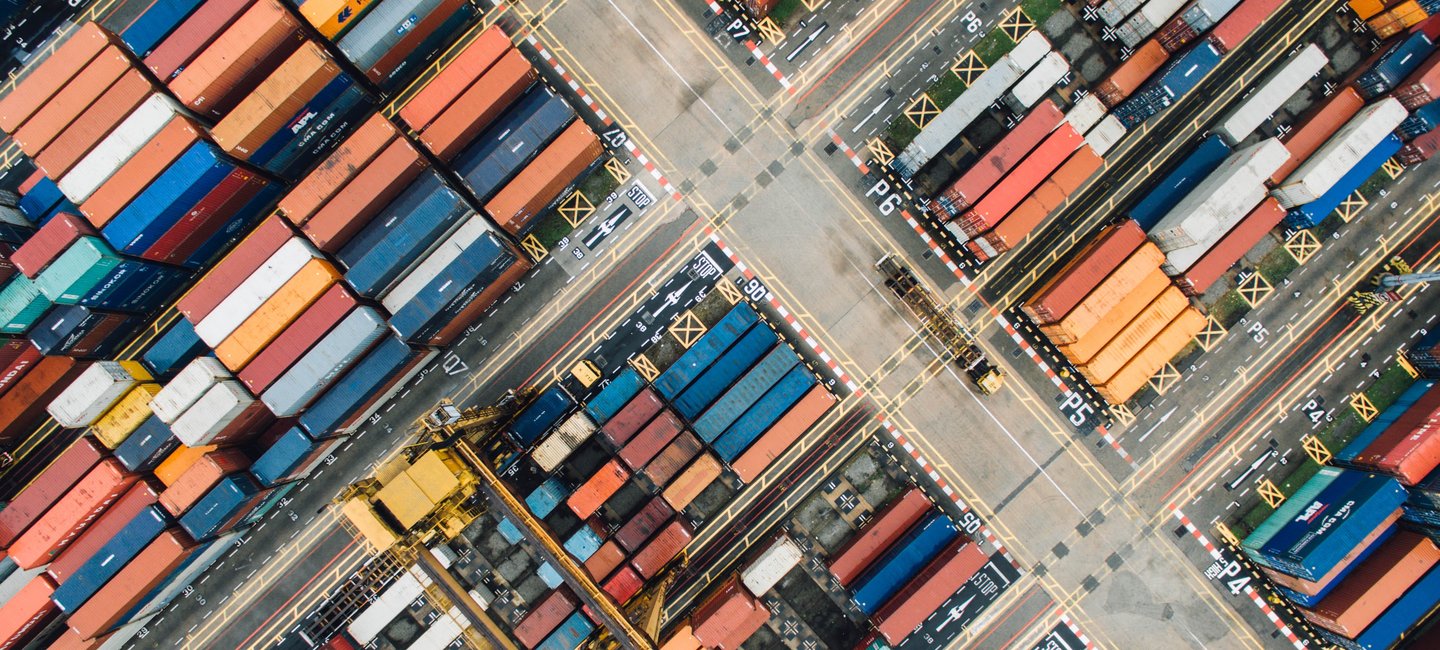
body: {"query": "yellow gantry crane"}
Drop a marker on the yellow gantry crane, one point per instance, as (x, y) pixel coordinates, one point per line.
(1384, 286)
(942, 324)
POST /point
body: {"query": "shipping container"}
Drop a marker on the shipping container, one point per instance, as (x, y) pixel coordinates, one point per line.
(705, 351)
(908, 609)
(458, 74)
(728, 617)
(542, 180)
(616, 393)
(193, 35)
(494, 156)
(698, 476)
(543, 499)
(649, 441)
(156, 22)
(1271, 93)
(456, 276)
(1311, 214)
(240, 264)
(903, 561)
(1134, 336)
(222, 507)
(400, 237)
(662, 548)
(1341, 152)
(1308, 593)
(146, 446)
(767, 569)
(284, 94)
(238, 59)
(1052, 194)
(1105, 295)
(31, 502)
(1086, 113)
(187, 387)
(23, 407)
(1198, 276)
(1134, 302)
(603, 561)
(746, 391)
(139, 496)
(1203, 159)
(764, 413)
(1407, 448)
(600, 487)
(271, 318)
(21, 305)
(1038, 82)
(225, 414)
(1395, 65)
(1220, 201)
(113, 556)
(148, 570)
(317, 129)
(454, 128)
(375, 188)
(998, 161)
(80, 332)
(545, 616)
(133, 409)
(330, 357)
(200, 478)
(114, 105)
(96, 389)
(1172, 82)
(368, 384)
(1316, 127)
(570, 634)
(173, 350)
(19, 360)
(642, 525)
(1137, 372)
(334, 174)
(783, 433)
(371, 621)
(64, 521)
(124, 165)
(541, 414)
(1024, 178)
(1419, 88)
(1401, 617)
(623, 585)
(292, 457)
(252, 292)
(52, 74)
(673, 458)
(68, 103)
(28, 612)
(1375, 584)
(297, 339)
(1241, 22)
(725, 370)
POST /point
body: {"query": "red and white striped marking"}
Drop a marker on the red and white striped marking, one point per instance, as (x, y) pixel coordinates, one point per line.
(1250, 592)
(790, 318)
(759, 56)
(1075, 629)
(944, 486)
(601, 115)
(849, 153)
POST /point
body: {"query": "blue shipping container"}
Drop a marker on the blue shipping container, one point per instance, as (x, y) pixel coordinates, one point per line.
(453, 289)
(398, 238)
(175, 349)
(764, 413)
(569, 635)
(155, 23)
(1289, 509)
(1339, 529)
(521, 132)
(1311, 214)
(1421, 121)
(1347, 456)
(903, 561)
(323, 133)
(237, 227)
(1172, 82)
(284, 456)
(509, 531)
(301, 120)
(746, 392)
(1308, 509)
(1399, 619)
(1310, 601)
(44, 201)
(272, 499)
(706, 350)
(540, 415)
(583, 543)
(60, 330)
(219, 506)
(147, 446)
(111, 557)
(348, 394)
(168, 198)
(543, 499)
(549, 575)
(720, 375)
(134, 285)
(1394, 65)
(614, 396)
(1427, 492)
(429, 48)
(1202, 160)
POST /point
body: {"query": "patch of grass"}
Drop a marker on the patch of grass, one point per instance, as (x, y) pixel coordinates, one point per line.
(785, 11)
(995, 45)
(1392, 382)
(1250, 520)
(1229, 309)
(551, 229)
(1328, 227)
(598, 185)
(1370, 189)
(1041, 10)
(946, 90)
(900, 133)
(1277, 265)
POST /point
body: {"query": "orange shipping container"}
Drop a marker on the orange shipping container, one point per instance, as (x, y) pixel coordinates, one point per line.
(1089, 267)
(1116, 319)
(71, 101)
(1375, 584)
(146, 571)
(1160, 351)
(1044, 200)
(1366, 9)
(544, 178)
(604, 561)
(682, 639)
(331, 175)
(690, 483)
(478, 106)
(1106, 295)
(1316, 127)
(330, 17)
(783, 433)
(116, 192)
(203, 475)
(262, 113)
(237, 61)
(454, 78)
(69, 517)
(606, 481)
(1137, 333)
(53, 73)
(25, 613)
(1133, 72)
(363, 197)
(95, 123)
(277, 312)
(180, 460)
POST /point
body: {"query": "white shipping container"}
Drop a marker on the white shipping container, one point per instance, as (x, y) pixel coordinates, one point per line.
(188, 385)
(401, 384)
(368, 625)
(210, 414)
(1222, 199)
(133, 133)
(1105, 134)
(556, 447)
(314, 372)
(988, 87)
(448, 251)
(1086, 113)
(1118, 10)
(1215, 9)
(92, 394)
(1036, 83)
(1154, 13)
(772, 565)
(282, 265)
(957, 232)
(441, 632)
(1271, 93)
(1327, 165)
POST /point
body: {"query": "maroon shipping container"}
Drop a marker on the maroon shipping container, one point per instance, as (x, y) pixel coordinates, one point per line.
(457, 75)
(140, 496)
(635, 414)
(146, 571)
(662, 548)
(334, 173)
(1225, 253)
(1068, 287)
(545, 617)
(1420, 149)
(1241, 22)
(650, 440)
(49, 242)
(52, 74)
(135, 175)
(1409, 449)
(195, 482)
(108, 324)
(22, 408)
(95, 123)
(604, 561)
(307, 329)
(21, 364)
(236, 266)
(1003, 157)
(1420, 87)
(640, 527)
(70, 515)
(7, 270)
(250, 423)
(194, 35)
(882, 531)
(728, 617)
(206, 218)
(52, 483)
(478, 106)
(352, 207)
(936, 583)
(239, 59)
(674, 458)
(467, 316)
(1381, 579)
(72, 100)
(393, 64)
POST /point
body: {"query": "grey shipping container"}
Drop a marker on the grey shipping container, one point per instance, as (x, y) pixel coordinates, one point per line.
(324, 362)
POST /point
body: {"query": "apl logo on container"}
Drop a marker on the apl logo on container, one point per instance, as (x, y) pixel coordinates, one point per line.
(300, 122)
(1315, 509)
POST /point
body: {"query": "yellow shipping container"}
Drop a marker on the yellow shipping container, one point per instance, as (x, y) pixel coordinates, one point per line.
(137, 370)
(126, 416)
(1137, 334)
(330, 17)
(1366, 8)
(1106, 295)
(180, 460)
(1160, 351)
(437, 475)
(691, 482)
(281, 309)
(1135, 302)
(405, 500)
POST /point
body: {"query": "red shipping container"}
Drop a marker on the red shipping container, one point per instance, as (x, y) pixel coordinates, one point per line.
(598, 489)
(624, 585)
(674, 458)
(1021, 180)
(52, 482)
(1044, 200)
(298, 338)
(70, 102)
(95, 123)
(604, 561)
(542, 181)
(635, 414)
(194, 35)
(332, 174)
(662, 548)
(1225, 253)
(208, 216)
(392, 65)
(478, 106)
(650, 440)
(467, 317)
(1381, 579)
(1409, 448)
(24, 360)
(1068, 287)
(1241, 22)
(373, 187)
(34, 179)
(882, 531)
(70, 640)
(49, 242)
(640, 527)
(234, 268)
(457, 75)
(27, 612)
(136, 174)
(545, 617)
(1316, 127)
(140, 496)
(22, 408)
(783, 433)
(202, 476)
(250, 423)
(937, 582)
(728, 617)
(1003, 157)
(1420, 149)
(1128, 76)
(69, 516)
(146, 571)
(52, 74)
(11, 347)
(239, 59)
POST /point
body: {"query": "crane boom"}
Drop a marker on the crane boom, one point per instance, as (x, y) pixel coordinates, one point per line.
(1392, 280)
